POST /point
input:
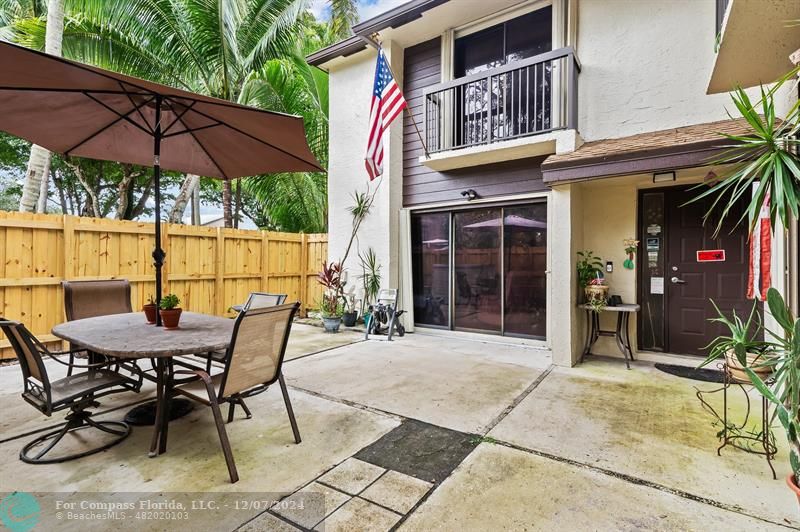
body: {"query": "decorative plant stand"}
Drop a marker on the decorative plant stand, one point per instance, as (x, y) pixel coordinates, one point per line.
(762, 442)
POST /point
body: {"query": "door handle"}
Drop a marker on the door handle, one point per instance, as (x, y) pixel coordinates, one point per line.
(675, 280)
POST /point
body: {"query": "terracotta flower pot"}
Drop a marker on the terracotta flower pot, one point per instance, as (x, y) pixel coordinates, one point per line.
(736, 371)
(150, 310)
(170, 318)
(793, 485)
(596, 292)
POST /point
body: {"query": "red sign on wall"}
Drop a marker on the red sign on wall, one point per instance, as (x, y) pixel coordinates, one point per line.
(711, 255)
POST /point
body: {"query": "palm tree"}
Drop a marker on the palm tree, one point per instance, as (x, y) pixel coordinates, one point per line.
(12, 13)
(210, 47)
(293, 201)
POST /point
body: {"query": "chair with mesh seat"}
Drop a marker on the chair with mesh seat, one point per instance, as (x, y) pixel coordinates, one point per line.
(254, 300)
(261, 300)
(89, 299)
(254, 362)
(76, 392)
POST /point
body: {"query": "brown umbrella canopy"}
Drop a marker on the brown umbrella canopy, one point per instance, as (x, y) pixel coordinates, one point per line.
(76, 109)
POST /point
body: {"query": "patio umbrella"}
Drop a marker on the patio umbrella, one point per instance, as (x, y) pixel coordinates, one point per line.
(76, 109)
(512, 220)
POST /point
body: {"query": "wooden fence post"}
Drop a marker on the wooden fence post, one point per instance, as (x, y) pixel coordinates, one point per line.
(69, 247)
(219, 271)
(303, 273)
(264, 261)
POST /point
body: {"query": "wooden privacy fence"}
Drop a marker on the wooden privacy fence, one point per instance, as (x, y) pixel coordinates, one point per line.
(208, 268)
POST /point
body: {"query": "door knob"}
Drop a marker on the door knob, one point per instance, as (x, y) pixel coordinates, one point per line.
(675, 280)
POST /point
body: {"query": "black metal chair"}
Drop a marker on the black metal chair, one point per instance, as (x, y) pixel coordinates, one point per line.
(74, 392)
(254, 362)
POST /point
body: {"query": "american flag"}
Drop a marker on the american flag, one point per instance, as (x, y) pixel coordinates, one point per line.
(387, 104)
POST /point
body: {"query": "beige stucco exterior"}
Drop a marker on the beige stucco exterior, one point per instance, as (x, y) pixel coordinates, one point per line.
(645, 67)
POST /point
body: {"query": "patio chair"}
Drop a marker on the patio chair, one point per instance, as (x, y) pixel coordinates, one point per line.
(261, 300)
(254, 300)
(254, 362)
(88, 299)
(74, 392)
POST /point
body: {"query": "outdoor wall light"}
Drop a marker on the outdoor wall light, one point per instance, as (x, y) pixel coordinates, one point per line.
(663, 176)
(470, 194)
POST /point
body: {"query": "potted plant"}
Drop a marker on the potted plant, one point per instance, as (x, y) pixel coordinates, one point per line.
(739, 347)
(590, 277)
(370, 276)
(150, 309)
(331, 310)
(170, 311)
(332, 305)
(784, 388)
(350, 315)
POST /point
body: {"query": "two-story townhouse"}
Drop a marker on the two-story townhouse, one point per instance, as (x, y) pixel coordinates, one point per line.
(536, 129)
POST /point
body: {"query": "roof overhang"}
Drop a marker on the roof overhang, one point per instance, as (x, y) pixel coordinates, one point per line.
(756, 40)
(686, 147)
(351, 45)
(394, 18)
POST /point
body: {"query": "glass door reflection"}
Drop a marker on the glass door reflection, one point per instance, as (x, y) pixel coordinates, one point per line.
(525, 264)
(430, 256)
(476, 269)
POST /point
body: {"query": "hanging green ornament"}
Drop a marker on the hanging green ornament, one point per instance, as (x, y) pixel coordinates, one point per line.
(631, 245)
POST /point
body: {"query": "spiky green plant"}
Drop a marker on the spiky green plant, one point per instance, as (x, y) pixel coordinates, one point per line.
(766, 155)
(784, 388)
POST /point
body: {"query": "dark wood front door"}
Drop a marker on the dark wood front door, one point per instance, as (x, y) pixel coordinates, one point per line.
(691, 281)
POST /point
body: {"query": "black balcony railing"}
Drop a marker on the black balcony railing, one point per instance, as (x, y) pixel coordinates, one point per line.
(523, 98)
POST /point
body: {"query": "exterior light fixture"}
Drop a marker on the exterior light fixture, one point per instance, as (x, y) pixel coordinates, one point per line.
(470, 194)
(663, 176)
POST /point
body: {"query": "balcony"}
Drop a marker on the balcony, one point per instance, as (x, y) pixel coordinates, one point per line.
(518, 110)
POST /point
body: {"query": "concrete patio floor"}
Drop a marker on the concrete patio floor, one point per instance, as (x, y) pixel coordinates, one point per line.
(434, 433)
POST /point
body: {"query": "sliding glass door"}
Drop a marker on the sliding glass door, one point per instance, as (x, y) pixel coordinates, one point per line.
(482, 269)
(430, 259)
(477, 269)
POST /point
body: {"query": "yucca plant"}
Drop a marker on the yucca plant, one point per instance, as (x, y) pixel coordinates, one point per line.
(741, 338)
(370, 275)
(783, 389)
(767, 155)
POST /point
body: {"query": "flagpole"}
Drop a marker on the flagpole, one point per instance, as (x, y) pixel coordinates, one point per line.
(375, 42)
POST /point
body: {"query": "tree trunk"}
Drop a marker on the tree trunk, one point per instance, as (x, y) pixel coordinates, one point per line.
(238, 207)
(44, 191)
(38, 166)
(190, 183)
(39, 161)
(226, 203)
(196, 206)
(92, 203)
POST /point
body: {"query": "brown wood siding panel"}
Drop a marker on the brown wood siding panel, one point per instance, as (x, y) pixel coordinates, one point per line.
(422, 185)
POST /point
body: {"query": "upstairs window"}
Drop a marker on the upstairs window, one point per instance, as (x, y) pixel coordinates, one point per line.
(513, 40)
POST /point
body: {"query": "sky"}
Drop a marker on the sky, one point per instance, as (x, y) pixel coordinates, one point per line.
(366, 8)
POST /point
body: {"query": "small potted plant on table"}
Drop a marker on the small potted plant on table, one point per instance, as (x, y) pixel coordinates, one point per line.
(150, 309)
(590, 278)
(170, 311)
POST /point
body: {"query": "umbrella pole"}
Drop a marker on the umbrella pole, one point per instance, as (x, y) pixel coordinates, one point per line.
(158, 253)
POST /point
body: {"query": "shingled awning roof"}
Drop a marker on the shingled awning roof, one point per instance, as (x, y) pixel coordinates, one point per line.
(669, 149)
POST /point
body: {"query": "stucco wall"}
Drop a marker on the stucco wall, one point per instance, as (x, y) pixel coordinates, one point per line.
(350, 95)
(646, 65)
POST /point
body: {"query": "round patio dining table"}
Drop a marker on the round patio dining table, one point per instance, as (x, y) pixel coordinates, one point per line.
(129, 336)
